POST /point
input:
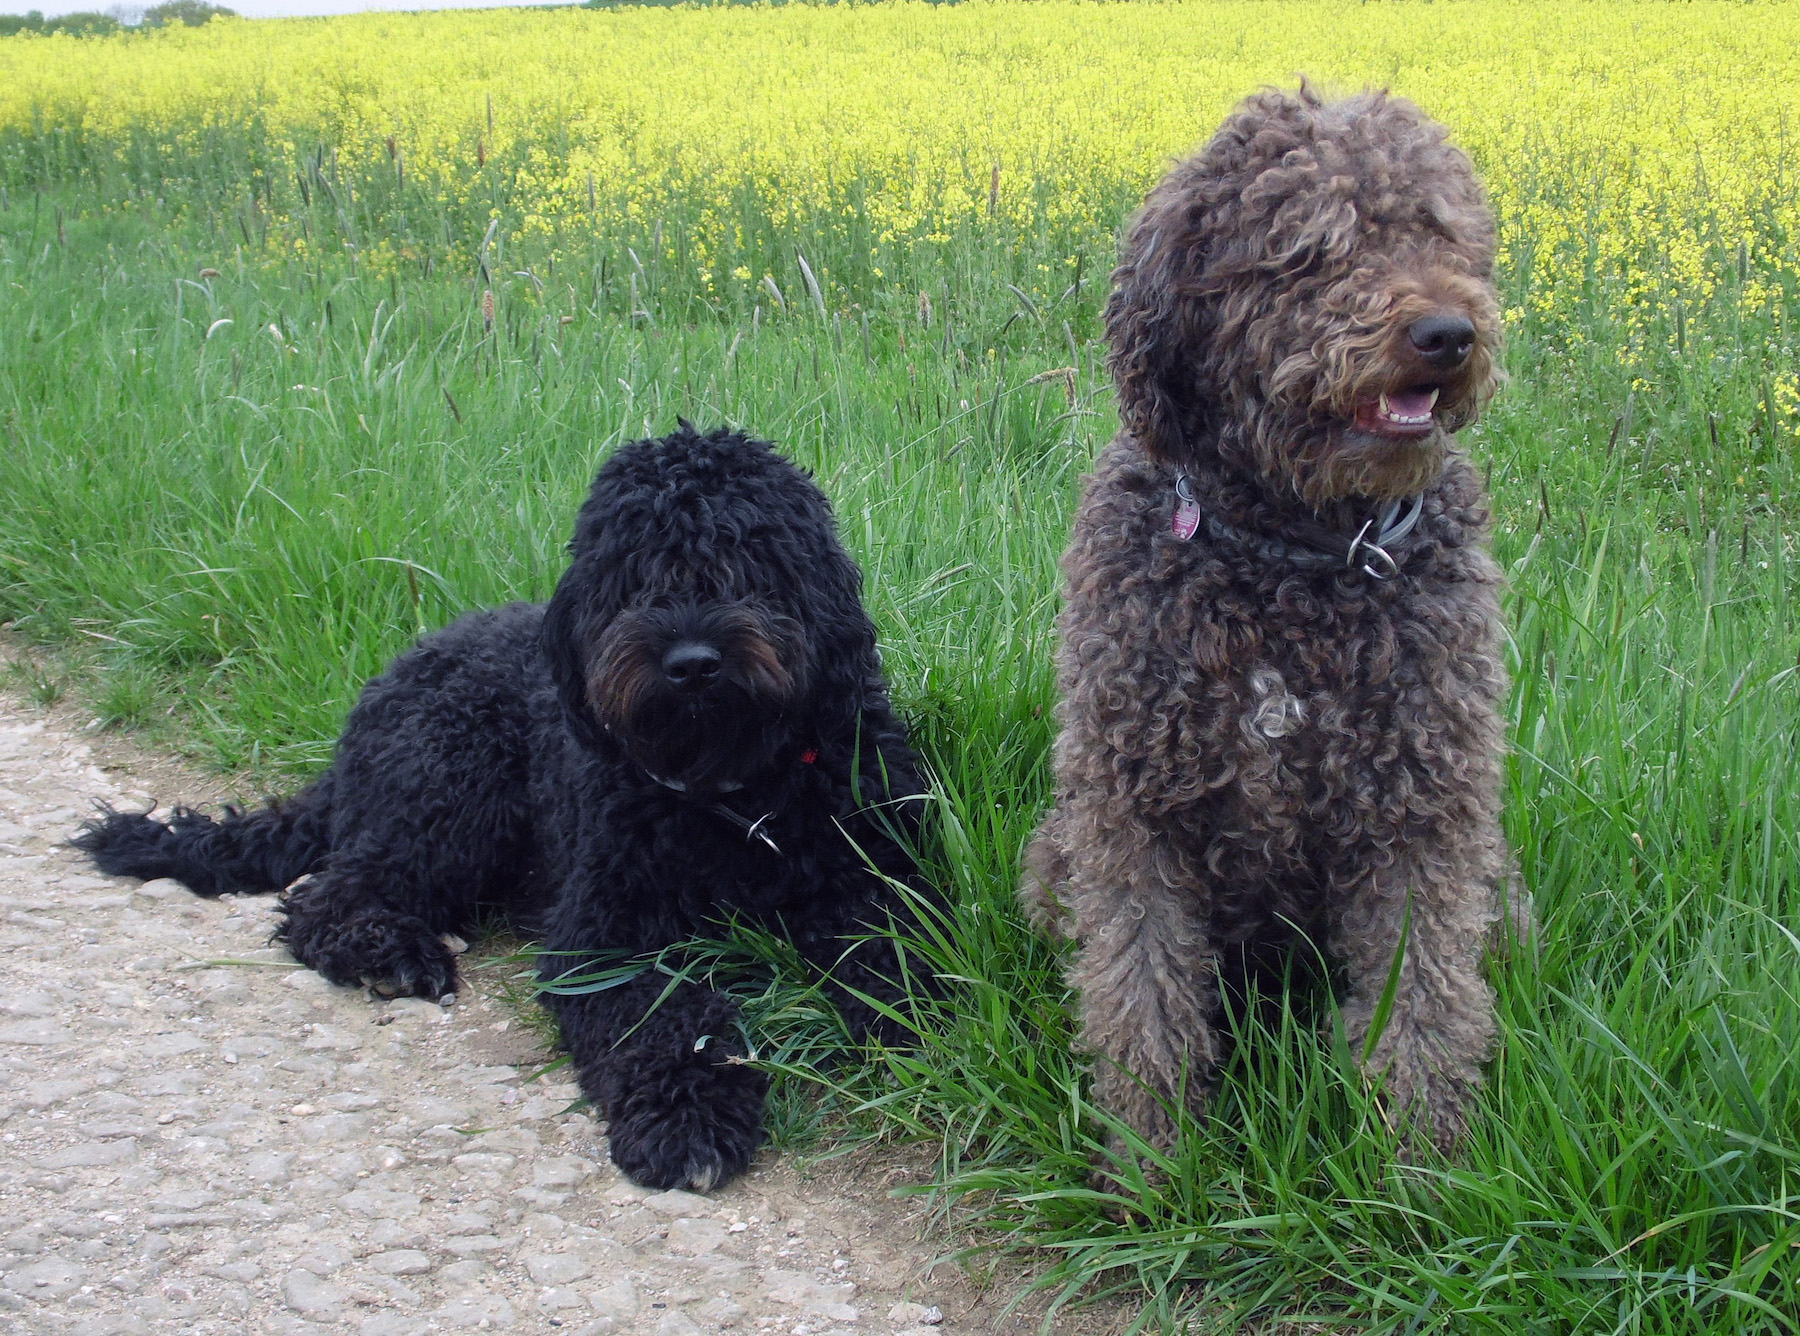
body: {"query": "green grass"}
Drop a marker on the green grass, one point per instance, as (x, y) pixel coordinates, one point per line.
(244, 492)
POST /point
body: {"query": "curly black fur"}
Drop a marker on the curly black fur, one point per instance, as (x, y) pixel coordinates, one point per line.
(707, 649)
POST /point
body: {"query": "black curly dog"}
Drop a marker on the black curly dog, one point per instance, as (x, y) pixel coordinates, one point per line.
(694, 727)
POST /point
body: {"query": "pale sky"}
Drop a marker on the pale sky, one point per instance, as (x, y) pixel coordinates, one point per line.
(268, 9)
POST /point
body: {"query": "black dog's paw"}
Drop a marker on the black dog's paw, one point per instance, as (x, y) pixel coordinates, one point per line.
(688, 1133)
(397, 955)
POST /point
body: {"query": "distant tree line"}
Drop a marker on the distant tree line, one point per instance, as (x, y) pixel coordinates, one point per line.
(191, 12)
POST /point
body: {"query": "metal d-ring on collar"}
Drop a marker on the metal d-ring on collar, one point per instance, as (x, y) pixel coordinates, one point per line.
(1323, 550)
(1389, 531)
(753, 830)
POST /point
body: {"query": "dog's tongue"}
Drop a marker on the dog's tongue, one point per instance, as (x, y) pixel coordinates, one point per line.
(1409, 403)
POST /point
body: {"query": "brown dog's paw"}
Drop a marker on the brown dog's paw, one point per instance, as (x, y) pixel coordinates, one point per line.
(1422, 1107)
(1042, 880)
(1126, 1187)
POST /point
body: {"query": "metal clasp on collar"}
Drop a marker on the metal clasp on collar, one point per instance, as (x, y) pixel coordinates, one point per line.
(1360, 544)
(755, 831)
(1388, 529)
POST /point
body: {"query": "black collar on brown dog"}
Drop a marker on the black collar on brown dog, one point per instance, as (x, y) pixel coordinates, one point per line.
(1370, 548)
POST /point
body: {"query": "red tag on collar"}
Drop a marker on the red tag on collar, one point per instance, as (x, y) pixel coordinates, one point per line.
(808, 756)
(1187, 519)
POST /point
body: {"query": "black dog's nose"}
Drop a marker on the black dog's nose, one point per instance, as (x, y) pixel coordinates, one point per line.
(691, 664)
(1445, 341)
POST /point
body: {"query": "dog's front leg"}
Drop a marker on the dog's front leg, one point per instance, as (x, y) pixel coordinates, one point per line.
(1044, 879)
(683, 1109)
(1145, 970)
(1436, 909)
(359, 921)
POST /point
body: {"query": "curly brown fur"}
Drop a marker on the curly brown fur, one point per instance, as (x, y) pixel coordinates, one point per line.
(1253, 745)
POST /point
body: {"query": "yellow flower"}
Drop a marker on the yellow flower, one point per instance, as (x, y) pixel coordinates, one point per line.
(1625, 145)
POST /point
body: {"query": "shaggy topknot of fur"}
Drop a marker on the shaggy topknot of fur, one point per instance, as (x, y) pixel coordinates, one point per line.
(705, 661)
(1252, 745)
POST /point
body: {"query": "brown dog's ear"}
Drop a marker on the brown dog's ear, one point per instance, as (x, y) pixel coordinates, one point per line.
(1155, 323)
(1182, 256)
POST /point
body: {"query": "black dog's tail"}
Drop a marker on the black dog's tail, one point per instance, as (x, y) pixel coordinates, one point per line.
(241, 851)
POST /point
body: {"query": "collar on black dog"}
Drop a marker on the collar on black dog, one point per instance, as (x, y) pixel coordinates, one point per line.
(753, 830)
(807, 757)
(679, 787)
(1370, 549)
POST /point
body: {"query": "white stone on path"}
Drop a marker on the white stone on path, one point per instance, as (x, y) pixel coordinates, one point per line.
(35, 1032)
(307, 1293)
(90, 1154)
(400, 1262)
(695, 1238)
(49, 1279)
(555, 1268)
(558, 1300)
(906, 1314)
(477, 1310)
(618, 1301)
(678, 1203)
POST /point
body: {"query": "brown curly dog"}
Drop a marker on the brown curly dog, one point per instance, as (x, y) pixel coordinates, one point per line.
(1281, 649)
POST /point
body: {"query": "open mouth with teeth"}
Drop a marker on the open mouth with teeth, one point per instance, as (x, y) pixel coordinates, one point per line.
(1399, 414)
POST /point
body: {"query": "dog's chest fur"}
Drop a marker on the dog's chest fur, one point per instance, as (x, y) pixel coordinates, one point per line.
(1285, 723)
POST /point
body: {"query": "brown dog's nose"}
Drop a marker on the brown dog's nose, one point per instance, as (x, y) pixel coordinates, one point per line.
(1445, 341)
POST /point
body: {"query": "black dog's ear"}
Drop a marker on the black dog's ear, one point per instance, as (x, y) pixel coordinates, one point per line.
(841, 690)
(564, 638)
(1154, 324)
(846, 666)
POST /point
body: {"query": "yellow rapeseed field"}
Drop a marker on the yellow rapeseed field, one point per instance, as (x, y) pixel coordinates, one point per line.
(1645, 144)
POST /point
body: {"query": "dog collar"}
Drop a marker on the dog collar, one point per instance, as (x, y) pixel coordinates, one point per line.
(679, 787)
(753, 830)
(807, 757)
(1370, 549)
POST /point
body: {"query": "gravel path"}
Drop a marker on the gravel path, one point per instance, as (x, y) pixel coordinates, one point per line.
(194, 1147)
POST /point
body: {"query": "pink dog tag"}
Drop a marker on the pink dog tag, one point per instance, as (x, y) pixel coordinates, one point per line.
(1187, 511)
